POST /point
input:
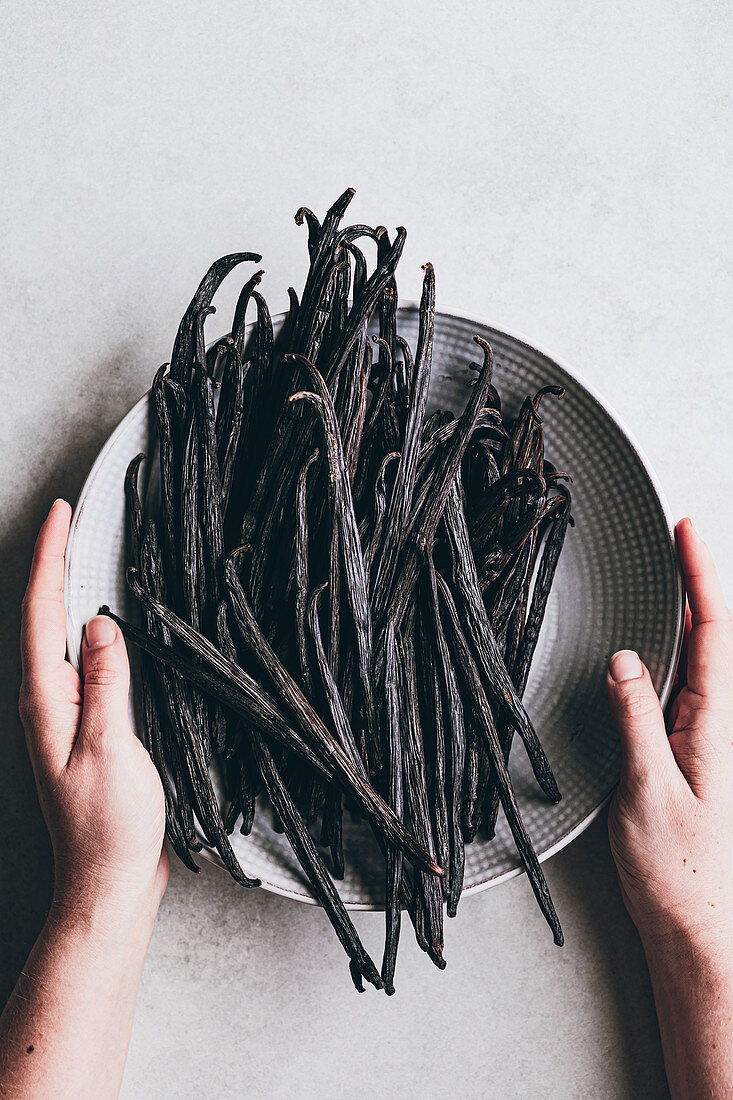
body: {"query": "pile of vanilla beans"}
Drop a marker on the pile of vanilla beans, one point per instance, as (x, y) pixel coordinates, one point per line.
(341, 595)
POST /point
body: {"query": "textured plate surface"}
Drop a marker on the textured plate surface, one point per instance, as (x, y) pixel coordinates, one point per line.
(617, 586)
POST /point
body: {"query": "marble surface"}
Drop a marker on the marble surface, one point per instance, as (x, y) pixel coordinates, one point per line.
(564, 168)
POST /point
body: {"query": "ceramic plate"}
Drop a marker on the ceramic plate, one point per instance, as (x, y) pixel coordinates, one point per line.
(617, 586)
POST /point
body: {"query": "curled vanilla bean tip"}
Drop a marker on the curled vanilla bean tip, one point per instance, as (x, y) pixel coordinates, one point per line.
(556, 391)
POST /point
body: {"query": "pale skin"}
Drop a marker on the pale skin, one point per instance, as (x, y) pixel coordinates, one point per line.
(671, 832)
(66, 1028)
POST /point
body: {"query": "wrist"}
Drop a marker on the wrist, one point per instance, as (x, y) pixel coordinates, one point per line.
(675, 947)
(106, 909)
(107, 931)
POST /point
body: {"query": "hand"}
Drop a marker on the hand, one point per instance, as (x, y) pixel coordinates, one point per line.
(671, 820)
(66, 1026)
(98, 788)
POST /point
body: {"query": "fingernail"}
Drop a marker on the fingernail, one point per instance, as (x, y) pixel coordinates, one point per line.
(99, 631)
(625, 665)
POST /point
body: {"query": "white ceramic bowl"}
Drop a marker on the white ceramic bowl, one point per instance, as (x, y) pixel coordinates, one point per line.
(617, 586)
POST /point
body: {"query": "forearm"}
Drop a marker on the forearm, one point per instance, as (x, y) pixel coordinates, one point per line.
(66, 1028)
(692, 977)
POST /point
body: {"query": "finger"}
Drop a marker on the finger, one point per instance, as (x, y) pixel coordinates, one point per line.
(704, 591)
(682, 666)
(43, 624)
(646, 753)
(106, 682)
(50, 711)
(709, 653)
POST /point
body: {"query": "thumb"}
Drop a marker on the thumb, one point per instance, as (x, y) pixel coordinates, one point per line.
(639, 720)
(106, 672)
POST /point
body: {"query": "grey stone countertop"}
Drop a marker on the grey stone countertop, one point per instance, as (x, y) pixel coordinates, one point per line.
(564, 168)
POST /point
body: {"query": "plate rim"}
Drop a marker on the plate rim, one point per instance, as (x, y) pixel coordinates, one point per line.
(680, 596)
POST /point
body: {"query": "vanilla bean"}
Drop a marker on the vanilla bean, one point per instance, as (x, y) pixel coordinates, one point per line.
(396, 696)
(464, 659)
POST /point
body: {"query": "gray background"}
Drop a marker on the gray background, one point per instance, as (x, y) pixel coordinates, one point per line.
(564, 168)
